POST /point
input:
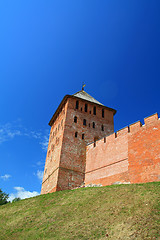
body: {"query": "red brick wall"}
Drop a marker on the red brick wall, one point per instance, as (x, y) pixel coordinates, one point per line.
(51, 171)
(107, 162)
(132, 155)
(144, 151)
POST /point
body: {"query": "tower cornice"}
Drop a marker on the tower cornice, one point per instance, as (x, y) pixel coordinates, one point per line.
(64, 100)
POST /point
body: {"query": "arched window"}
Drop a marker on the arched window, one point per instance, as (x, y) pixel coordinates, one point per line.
(94, 110)
(75, 119)
(102, 113)
(93, 124)
(102, 127)
(84, 122)
(77, 104)
(76, 134)
(86, 107)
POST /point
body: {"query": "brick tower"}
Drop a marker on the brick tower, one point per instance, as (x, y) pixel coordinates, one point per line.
(80, 119)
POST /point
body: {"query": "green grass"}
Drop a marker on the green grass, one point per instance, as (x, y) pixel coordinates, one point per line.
(112, 212)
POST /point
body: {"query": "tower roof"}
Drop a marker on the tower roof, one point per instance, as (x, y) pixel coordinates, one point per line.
(83, 95)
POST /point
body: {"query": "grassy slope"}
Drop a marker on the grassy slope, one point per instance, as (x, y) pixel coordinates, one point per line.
(112, 212)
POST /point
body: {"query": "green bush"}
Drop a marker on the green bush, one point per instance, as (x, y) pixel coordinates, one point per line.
(16, 199)
(3, 197)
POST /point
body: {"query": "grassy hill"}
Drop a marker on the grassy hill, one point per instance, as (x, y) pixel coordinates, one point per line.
(112, 212)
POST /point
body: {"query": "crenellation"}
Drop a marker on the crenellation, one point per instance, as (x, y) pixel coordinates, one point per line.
(151, 119)
(135, 126)
(123, 131)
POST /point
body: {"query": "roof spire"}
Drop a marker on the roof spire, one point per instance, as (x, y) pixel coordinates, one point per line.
(83, 85)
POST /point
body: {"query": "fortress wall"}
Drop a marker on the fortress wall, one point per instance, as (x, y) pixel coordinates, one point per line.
(107, 159)
(144, 151)
(130, 155)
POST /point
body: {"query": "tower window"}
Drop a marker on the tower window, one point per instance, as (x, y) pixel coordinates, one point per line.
(75, 119)
(77, 104)
(93, 124)
(86, 107)
(95, 139)
(102, 113)
(94, 110)
(76, 134)
(102, 128)
(83, 136)
(84, 122)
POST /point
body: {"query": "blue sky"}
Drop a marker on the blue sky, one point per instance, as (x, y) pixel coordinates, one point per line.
(47, 49)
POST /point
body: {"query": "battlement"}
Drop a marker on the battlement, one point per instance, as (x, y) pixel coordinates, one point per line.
(132, 128)
(151, 119)
(130, 155)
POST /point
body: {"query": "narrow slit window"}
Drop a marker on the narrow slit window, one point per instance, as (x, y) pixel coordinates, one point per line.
(95, 139)
(83, 136)
(104, 139)
(102, 128)
(76, 134)
(84, 122)
(75, 119)
(102, 113)
(93, 124)
(86, 107)
(94, 110)
(77, 104)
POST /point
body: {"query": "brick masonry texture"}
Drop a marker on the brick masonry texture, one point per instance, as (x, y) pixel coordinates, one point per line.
(132, 155)
(83, 148)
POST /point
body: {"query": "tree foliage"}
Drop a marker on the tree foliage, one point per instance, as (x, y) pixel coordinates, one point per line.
(16, 199)
(3, 197)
